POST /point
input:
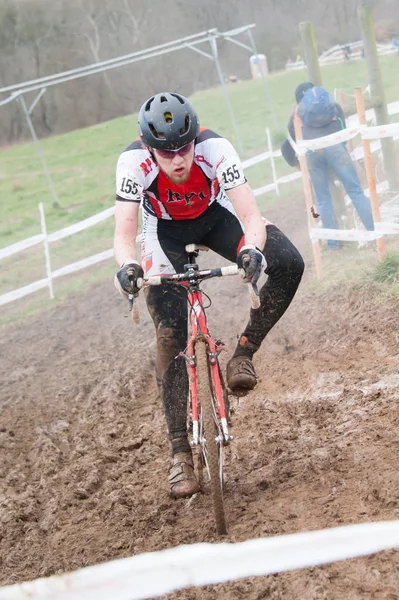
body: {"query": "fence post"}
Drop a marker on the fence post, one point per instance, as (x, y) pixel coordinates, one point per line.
(272, 161)
(46, 251)
(368, 162)
(307, 188)
(377, 93)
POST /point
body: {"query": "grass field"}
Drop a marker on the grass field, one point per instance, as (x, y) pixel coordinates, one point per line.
(82, 167)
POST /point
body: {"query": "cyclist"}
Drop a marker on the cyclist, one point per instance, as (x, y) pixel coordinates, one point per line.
(192, 189)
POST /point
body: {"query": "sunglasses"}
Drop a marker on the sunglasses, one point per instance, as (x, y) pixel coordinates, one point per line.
(170, 154)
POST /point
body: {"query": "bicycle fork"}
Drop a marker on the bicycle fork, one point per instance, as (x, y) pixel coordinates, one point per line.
(213, 352)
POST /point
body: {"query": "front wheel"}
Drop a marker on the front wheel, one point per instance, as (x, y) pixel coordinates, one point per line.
(211, 431)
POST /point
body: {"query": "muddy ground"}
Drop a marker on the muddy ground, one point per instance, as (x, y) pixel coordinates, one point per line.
(84, 453)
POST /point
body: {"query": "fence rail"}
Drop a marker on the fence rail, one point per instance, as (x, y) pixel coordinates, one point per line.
(336, 55)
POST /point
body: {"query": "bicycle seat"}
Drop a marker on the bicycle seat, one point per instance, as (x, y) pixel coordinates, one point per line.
(191, 248)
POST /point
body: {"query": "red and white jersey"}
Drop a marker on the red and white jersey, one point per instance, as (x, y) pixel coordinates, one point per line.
(216, 168)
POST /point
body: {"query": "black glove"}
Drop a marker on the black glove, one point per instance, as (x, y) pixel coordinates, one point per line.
(251, 263)
(127, 278)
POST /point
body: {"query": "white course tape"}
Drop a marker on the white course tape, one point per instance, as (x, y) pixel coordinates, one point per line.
(380, 131)
(387, 228)
(329, 140)
(344, 235)
(154, 574)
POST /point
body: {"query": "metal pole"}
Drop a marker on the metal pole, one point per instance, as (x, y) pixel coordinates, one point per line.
(46, 251)
(264, 83)
(214, 48)
(21, 100)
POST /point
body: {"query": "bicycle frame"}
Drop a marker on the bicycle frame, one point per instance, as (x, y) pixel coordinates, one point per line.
(192, 278)
(199, 329)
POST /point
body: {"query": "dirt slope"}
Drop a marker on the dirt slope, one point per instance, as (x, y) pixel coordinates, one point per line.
(83, 474)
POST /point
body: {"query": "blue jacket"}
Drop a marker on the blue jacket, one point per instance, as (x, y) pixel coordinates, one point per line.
(310, 133)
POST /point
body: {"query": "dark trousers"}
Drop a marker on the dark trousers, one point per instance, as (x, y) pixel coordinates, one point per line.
(219, 230)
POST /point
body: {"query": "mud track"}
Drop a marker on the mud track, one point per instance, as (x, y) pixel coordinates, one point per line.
(84, 453)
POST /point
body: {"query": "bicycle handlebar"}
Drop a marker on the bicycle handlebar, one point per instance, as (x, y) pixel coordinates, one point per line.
(200, 275)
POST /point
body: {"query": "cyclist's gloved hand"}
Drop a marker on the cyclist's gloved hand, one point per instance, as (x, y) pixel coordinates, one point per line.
(251, 263)
(128, 278)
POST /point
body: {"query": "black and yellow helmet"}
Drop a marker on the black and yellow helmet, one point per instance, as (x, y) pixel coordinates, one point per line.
(167, 122)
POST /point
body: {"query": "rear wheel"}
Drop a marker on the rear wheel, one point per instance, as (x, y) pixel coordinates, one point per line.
(211, 431)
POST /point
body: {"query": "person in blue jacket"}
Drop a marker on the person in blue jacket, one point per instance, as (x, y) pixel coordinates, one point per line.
(335, 158)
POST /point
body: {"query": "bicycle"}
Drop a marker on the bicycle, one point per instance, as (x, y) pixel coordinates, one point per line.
(208, 398)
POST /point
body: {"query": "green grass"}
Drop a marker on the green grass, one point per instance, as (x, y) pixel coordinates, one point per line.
(388, 270)
(82, 166)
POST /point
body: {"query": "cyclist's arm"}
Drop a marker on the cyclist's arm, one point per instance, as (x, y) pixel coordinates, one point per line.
(245, 205)
(129, 192)
(231, 177)
(126, 228)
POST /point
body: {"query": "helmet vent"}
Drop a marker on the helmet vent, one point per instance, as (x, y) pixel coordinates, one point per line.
(180, 99)
(163, 99)
(148, 105)
(155, 133)
(168, 117)
(186, 127)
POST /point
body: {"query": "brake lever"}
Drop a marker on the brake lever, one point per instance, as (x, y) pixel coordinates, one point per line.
(133, 309)
(253, 295)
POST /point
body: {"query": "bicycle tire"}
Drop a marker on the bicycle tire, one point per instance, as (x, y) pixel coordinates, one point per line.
(205, 398)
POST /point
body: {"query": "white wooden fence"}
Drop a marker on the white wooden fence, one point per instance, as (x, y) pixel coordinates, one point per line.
(46, 239)
(336, 55)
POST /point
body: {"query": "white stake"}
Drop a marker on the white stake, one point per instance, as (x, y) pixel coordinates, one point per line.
(46, 251)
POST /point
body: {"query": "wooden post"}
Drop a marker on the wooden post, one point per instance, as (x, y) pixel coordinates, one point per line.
(368, 162)
(342, 99)
(310, 52)
(307, 188)
(377, 93)
(308, 38)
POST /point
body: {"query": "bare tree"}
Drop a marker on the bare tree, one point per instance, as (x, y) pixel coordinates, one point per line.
(42, 37)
